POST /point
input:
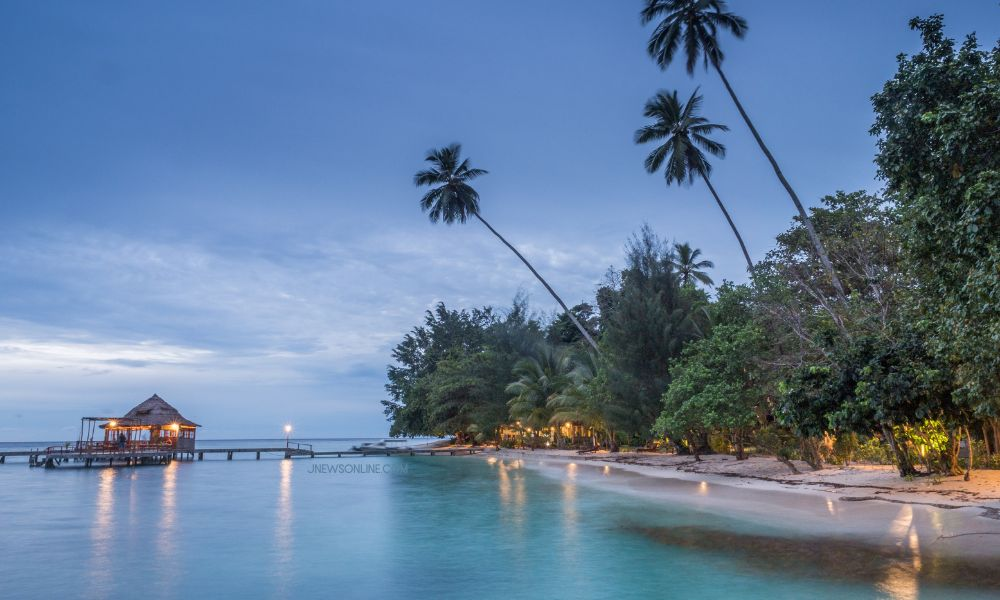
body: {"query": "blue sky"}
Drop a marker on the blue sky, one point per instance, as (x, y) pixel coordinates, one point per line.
(214, 201)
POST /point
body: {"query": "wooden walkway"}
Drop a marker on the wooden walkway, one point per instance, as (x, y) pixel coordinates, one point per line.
(54, 457)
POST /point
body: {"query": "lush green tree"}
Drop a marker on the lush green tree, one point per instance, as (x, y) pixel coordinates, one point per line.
(695, 25)
(719, 384)
(685, 139)
(450, 372)
(938, 120)
(650, 317)
(562, 330)
(453, 199)
(716, 386)
(689, 268)
(417, 357)
(540, 375)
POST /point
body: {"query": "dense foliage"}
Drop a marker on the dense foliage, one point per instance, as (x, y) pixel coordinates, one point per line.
(879, 343)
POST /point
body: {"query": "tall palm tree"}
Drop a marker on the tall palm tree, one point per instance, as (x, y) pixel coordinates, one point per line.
(695, 23)
(685, 135)
(685, 260)
(541, 375)
(452, 199)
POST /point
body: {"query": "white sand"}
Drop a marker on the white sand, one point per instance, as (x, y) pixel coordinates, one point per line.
(864, 502)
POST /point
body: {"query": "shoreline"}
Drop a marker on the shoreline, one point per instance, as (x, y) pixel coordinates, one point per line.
(869, 504)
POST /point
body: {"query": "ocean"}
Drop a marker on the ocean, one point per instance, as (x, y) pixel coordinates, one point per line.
(412, 527)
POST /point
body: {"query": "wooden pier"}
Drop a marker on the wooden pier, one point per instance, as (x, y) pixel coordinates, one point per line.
(56, 456)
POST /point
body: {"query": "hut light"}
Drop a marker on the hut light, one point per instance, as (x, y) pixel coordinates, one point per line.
(175, 426)
(288, 428)
(113, 424)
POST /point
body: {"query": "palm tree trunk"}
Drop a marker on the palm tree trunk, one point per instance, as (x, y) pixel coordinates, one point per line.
(817, 244)
(572, 317)
(736, 232)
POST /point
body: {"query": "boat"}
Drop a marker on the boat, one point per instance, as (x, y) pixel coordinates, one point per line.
(399, 445)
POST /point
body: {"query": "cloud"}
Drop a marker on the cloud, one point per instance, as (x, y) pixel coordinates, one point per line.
(90, 310)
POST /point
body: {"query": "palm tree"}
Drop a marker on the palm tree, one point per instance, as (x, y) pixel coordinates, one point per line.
(686, 262)
(541, 375)
(695, 23)
(452, 199)
(686, 135)
(576, 402)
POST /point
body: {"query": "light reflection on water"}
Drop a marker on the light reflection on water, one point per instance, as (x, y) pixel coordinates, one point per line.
(272, 529)
(165, 538)
(283, 534)
(102, 531)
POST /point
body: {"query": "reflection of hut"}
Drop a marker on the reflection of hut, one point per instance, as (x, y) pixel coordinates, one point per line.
(153, 423)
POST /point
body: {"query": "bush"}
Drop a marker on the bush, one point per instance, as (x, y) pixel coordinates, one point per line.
(873, 450)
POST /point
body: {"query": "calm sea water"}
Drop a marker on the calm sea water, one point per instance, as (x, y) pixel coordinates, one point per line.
(414, 527)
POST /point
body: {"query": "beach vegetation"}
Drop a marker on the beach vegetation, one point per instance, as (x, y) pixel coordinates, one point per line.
(877, 344)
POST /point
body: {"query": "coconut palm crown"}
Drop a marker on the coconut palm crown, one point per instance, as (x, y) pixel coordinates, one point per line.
(451, 198)
(696, 24)
(685, 134)
(693, 24)
(685, 261)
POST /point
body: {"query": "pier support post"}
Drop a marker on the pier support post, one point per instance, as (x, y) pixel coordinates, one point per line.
(201, 456)
(3, 459)
(229, 455)
(258, 455)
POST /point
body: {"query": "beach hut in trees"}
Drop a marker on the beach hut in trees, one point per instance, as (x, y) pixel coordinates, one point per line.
(153, 423)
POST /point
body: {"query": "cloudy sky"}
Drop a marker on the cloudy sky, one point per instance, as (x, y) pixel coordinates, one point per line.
(213, 201)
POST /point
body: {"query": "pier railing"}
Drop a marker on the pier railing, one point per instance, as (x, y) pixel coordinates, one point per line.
(112, 447)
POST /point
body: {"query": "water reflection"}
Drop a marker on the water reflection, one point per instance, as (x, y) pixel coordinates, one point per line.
(900, 579)
(165, 538)
(569, 511)
(283, 535)
(896, 571)
(102, 531)
(511, 491)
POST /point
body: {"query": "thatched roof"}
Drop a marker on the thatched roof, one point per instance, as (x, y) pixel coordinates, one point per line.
(156, 411)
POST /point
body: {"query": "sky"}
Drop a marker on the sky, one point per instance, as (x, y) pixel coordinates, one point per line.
(214, 201)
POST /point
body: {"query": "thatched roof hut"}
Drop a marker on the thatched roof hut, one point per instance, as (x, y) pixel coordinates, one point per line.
(156, 411)
(152, 423)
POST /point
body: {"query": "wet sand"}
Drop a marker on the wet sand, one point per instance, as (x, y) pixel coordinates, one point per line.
(840, 529)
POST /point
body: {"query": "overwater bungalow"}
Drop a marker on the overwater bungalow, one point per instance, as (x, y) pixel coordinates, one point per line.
(153, 424)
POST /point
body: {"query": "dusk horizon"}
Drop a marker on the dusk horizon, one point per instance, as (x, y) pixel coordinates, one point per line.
(233, 232)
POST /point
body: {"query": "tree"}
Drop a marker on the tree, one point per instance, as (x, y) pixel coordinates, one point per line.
(716, 386)
(649, 319)
(685, 135)
(938, 122)
(562, 330)
(696, 24)
(685, 261)
(450, 372)
(581, 400)
(451, 199)
(719, 384)
(540, 376)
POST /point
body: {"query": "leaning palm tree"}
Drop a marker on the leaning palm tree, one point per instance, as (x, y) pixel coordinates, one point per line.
(695, 24)
(452, 199)
(685, 260)
(685, 135)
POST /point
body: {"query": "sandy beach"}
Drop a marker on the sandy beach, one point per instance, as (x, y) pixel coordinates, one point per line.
(868, 504)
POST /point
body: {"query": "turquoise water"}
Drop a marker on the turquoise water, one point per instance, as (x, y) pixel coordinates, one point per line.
(415, 527)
